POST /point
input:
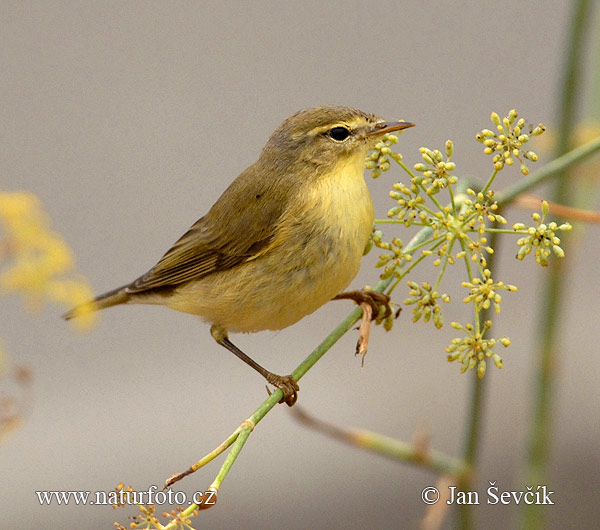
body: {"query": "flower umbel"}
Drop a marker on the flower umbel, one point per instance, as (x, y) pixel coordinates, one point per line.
(483, 291)
(436, 171)
(459, 228)
(426, 304)
(507, 144)
(410, 203)
(394, 259)
(473, 349)
(542, 237)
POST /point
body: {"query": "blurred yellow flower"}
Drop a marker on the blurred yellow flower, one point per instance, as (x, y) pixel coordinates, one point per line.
(34, 262)
(34, 259)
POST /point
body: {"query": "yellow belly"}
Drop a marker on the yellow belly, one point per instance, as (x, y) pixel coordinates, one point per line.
(316, 253)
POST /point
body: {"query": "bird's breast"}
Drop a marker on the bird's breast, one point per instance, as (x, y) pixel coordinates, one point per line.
(342, 205)
(327, 228)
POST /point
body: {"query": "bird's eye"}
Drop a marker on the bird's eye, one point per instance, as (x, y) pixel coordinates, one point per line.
(339, 134)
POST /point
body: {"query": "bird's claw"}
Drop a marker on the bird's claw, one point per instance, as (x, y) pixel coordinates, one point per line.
(373, 298)
(288, 386)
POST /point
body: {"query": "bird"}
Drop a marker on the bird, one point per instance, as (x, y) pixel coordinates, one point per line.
(284, 238)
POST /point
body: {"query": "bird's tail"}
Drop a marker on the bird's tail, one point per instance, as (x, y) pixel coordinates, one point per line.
(114, 297)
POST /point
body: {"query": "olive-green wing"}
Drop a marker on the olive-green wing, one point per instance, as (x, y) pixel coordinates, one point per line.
(238, 228)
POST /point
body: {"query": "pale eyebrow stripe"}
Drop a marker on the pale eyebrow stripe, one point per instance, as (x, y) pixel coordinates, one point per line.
(348, 124)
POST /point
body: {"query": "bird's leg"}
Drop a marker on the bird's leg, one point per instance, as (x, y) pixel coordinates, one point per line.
(374, 299)
(286, 383)
(371, 302)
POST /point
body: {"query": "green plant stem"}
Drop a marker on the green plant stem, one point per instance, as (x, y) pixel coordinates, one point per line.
(489, 182)
(300, 371)
(444, 266)
(593, 111)
(389, 447)
(475, 419)
(406, 452)
(506, 231)
(549, 330)
(434, 200)
(405, 168)
(232, 456)
(343, 327)
(412, 265)
(216, 452)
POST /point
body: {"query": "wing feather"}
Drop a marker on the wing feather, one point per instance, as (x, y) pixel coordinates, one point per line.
(239, 227)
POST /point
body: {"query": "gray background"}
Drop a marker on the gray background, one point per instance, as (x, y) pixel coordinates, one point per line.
(129, 119)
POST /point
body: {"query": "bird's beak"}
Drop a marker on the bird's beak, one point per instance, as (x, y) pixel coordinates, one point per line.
(385, 127)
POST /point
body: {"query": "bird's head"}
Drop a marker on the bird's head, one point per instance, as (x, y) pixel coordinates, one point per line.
(325, 136)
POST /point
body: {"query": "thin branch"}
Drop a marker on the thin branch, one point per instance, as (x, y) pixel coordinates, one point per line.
(414, 453)
(238, 438)
(474, 423)
(528, 201)
(205, 460)
(549, 322)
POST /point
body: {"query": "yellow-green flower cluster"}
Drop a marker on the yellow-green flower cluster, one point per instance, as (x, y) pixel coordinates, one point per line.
(478, 210)
(482, 206)
(507, 144)
(459, 228)
(426, 303)
(378, 160)
(436, 172)
(394, 259)
(33, 259)
(541, 237)
(410, 204)
(483, 291)
(473, 350)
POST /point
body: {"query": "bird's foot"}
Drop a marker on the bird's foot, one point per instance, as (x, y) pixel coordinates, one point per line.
(376, 306)
(376, 300)
(288, 386)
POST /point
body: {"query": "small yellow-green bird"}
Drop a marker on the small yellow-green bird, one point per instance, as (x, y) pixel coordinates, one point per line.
(284, 238)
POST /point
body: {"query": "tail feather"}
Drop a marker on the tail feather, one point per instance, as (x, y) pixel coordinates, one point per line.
(114, 297)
